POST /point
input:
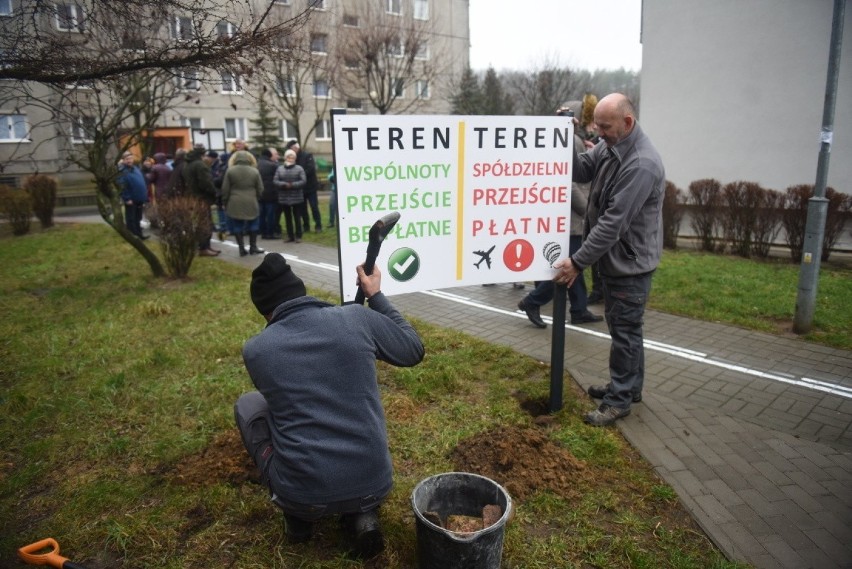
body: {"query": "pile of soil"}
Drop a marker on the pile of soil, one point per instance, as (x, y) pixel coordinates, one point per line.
(223, 459)
(523, 461)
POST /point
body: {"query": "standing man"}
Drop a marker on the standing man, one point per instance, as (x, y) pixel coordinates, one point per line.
(306, 161)
(134, 193)
(199, 183)
(624, 237)
(315, 427)
(270, 215)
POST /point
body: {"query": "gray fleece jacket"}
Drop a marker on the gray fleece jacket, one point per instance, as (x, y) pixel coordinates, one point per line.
(315, 363)
(624, 221)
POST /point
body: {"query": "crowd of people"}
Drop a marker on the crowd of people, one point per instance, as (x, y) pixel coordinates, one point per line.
(250, 191)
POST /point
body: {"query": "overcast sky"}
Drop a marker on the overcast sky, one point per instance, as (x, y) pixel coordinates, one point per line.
(581, 34)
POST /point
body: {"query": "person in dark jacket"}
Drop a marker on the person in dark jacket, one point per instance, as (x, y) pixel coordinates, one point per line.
(176, 186)
(241, 190)
(623, 235)
(315, 427)
(134, 193)
(290, 181)
(199, 183)
(270, 215)
(160, 175)
(306, 161)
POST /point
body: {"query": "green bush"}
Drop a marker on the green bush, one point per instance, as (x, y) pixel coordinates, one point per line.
(42, 190)
(16, 206)
(184, 223)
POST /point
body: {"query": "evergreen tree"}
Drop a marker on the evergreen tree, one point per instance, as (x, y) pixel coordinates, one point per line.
(495, 101)
(265, 126)
(467, 99)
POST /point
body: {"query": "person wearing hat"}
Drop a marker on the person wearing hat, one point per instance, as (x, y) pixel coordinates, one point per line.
(315, 427)
(306, 160)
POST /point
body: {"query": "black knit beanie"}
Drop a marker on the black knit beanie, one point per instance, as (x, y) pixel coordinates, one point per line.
(274, 282)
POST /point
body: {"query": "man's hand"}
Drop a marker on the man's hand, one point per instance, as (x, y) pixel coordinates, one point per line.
(566, 273)
(370, 284)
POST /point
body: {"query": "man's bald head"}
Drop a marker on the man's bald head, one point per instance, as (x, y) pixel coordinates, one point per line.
(615, 118)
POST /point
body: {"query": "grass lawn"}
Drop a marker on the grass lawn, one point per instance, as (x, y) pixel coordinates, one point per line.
(117, 434)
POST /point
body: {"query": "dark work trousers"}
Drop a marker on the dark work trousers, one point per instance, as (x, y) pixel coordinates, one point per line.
(293, 220)
(270, 222)
(311, 202)
(625, 299)
(133, 217)
(577, 295)
(251, 413)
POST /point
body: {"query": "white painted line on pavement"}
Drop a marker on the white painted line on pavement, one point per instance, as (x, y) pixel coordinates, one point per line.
(676, 351)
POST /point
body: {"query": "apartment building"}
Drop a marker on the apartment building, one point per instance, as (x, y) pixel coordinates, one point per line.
(428, 49)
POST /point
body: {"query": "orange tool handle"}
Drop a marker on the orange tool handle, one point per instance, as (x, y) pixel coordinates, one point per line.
(29, 553)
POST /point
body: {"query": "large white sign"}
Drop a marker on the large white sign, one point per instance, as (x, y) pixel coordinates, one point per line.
(482, 199)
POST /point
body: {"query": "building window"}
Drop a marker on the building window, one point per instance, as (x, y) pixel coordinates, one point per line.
(13, 128)
(351, 63)
(319, 43)
(187, 80)
(421, 9)
(285, 86)
(83, 129)
(323, 130)
(231, 83)
(318, 4)
(395, 48)
(288, 131)
(5, 7)
(354, 104)
(69, 18)
(225, 30)
(422, 50)
(351, 21)
(421, 89)
(322, 89)
(283, 2)
(235, 128)
(394, 7)
(180, 28)
(193, 123)
(398, 87)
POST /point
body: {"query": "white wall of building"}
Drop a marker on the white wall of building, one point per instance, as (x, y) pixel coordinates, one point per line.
(734, 90)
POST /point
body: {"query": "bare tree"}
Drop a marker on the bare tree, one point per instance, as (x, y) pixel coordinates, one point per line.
(299, 76)
(381, 54)
(96, 77)
(78, 40)
(541, 90)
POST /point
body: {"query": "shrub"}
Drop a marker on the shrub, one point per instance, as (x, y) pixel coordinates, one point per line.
(673, 211)
(742, 200)
(838, 211)
(17, 207)
(795, 219)
(766, 222)
(42, 190)
(184, 223)
(706, 196)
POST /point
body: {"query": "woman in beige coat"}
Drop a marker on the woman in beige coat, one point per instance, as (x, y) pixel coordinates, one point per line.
(241, 190)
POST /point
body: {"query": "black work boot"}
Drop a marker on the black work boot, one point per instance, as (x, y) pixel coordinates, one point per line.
(363, 533)
(297, 530)
(253, 248)
(241, 243)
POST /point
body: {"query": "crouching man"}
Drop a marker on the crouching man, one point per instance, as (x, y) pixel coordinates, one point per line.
(316, 427)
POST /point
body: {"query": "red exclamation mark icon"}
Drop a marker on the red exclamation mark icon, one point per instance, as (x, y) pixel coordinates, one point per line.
(518, 255)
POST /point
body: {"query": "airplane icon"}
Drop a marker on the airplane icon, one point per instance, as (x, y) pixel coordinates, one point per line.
(484, 256)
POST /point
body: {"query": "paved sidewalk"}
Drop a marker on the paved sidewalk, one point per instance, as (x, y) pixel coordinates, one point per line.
(753, 431)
